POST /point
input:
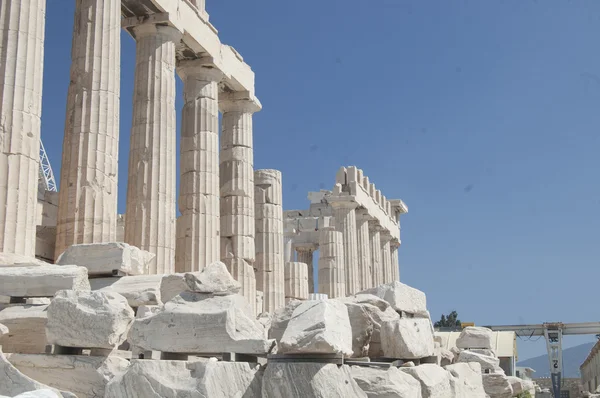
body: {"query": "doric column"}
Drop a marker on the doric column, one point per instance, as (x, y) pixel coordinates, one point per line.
(87, 204)
(376, 263)
(150, 216)
(269, 265)
(199, 224)
(386, 259)
(364, 251)
(22, 25)
(288, 248)
(394, 246)
(345, 222)
(305, 255)
(296, 281)
(332, 278)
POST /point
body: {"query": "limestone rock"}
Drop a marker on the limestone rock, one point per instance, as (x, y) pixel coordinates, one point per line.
(475, 337)
(214, 279)
(362, 329)
(467, 379)
(497, 385)
(171, 285)
(34, 281)
(435, 381)
(87, 375)
(488, 363)
(386, 383)
(201, 323)
(88, 319)
(108, 258)
(516, 383)
(321, 327)
(178, 379)
(315, 380)
(281, 318)
(138, 290)
(401, 297)
(27, 328)
(407, 338)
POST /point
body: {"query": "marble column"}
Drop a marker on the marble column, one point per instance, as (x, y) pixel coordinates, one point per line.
(386, 259)
(151, 186)
(376, 263)
(269, 265)
(332, 278)
(288, 248)
(394, 246)
(22, 25)
(87, 203)
(305, 255)
(199, 224)
(365, 274)
(296, 281)
(345, 222)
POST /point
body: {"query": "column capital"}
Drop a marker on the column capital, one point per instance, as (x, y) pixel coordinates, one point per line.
(385, 236)
(374, 226)
(343, 204)
(363, 214)
(238, 101)
(395, 243)
(201, 68)
(149, 29)
(305, 247)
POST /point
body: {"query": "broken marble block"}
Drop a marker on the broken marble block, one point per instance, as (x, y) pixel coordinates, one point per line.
(171, 285)
(497, 385)
(315, 380)
(87, 375)
(488, 364)
(401, 297)
(383, 383)
(115, 258)
(467, 380)
(177, 379)
(362, 329)
(214, 279)
(475, 337)
(44, 393)
(88, 319)
(516, 383)
(446, 357)
(435, 381)
(201, 323)
(138, 289)
(41, 281)
(281, 318)
(18, 260)
(27, 329)
(3, 330)
(407, 338)
(318, 327)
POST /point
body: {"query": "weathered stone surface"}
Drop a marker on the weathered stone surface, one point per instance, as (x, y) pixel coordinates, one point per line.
(497, 385)
(12, 259)
(446, 357)
(487, 362)
(362, 329)
(138, 290)
(315, 380)
(386, 383)
(467, 380)
(475, 337)
(516, 384)
(178, 379)
(214, 279)
(401, 297)
(38, 281)
(37, 394)
(435, 380)
(407, 338)
(3, 330)
(281, 318)
(484, 351)
(27, 328)
(107, 258)
(88, 319)
(171, 285)
(318, 327)
(85, 376)
(201, 323)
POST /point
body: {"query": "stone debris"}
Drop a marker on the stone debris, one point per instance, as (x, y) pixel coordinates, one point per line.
(281, 318)
(497, 385)
(475, 337)
(362, 329)
(18, 260)
(27, 328)
(467, 380)
(488, 364)
(139, 290)
(446, 357)
(108, 258)
(407, 338)
(37, 281)
(44, 393)
(176, 379)
(401, 297)
(171, 285)
(321, 327)
(386, 383)
(214, 279)
(435, 381)
(315, 380)
(3, 330)
(88, 319)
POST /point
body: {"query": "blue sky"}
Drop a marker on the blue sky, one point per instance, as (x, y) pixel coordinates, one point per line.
(481, 115)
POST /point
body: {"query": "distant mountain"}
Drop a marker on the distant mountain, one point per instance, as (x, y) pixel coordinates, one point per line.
(572, 358)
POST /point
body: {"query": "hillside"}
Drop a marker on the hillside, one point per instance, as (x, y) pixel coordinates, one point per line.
(572, 358)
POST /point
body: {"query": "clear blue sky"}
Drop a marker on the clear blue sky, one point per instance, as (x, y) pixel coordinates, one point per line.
(481, 115)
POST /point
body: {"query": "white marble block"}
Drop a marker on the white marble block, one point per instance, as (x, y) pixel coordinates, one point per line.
(435, 380)
(467, 380)
(27, 329)
(407, 338)
(42, 281)
(138, 290)
(296, 281)
(386, 383)
(401, 297)
(475, 337)
(108, 258)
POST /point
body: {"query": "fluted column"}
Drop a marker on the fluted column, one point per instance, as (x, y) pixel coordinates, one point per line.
(269, 265)
(364, 251)
(22, 25)
(386, 259)
(332, 278)
(394, 246)
(150, 221)
(305, 255)
(376, 263)
(87, 202)
(345, 222)
(296, 281)
(199, 224)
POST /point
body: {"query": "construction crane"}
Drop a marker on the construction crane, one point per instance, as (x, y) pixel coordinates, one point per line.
(553, 332)
(46, 176)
